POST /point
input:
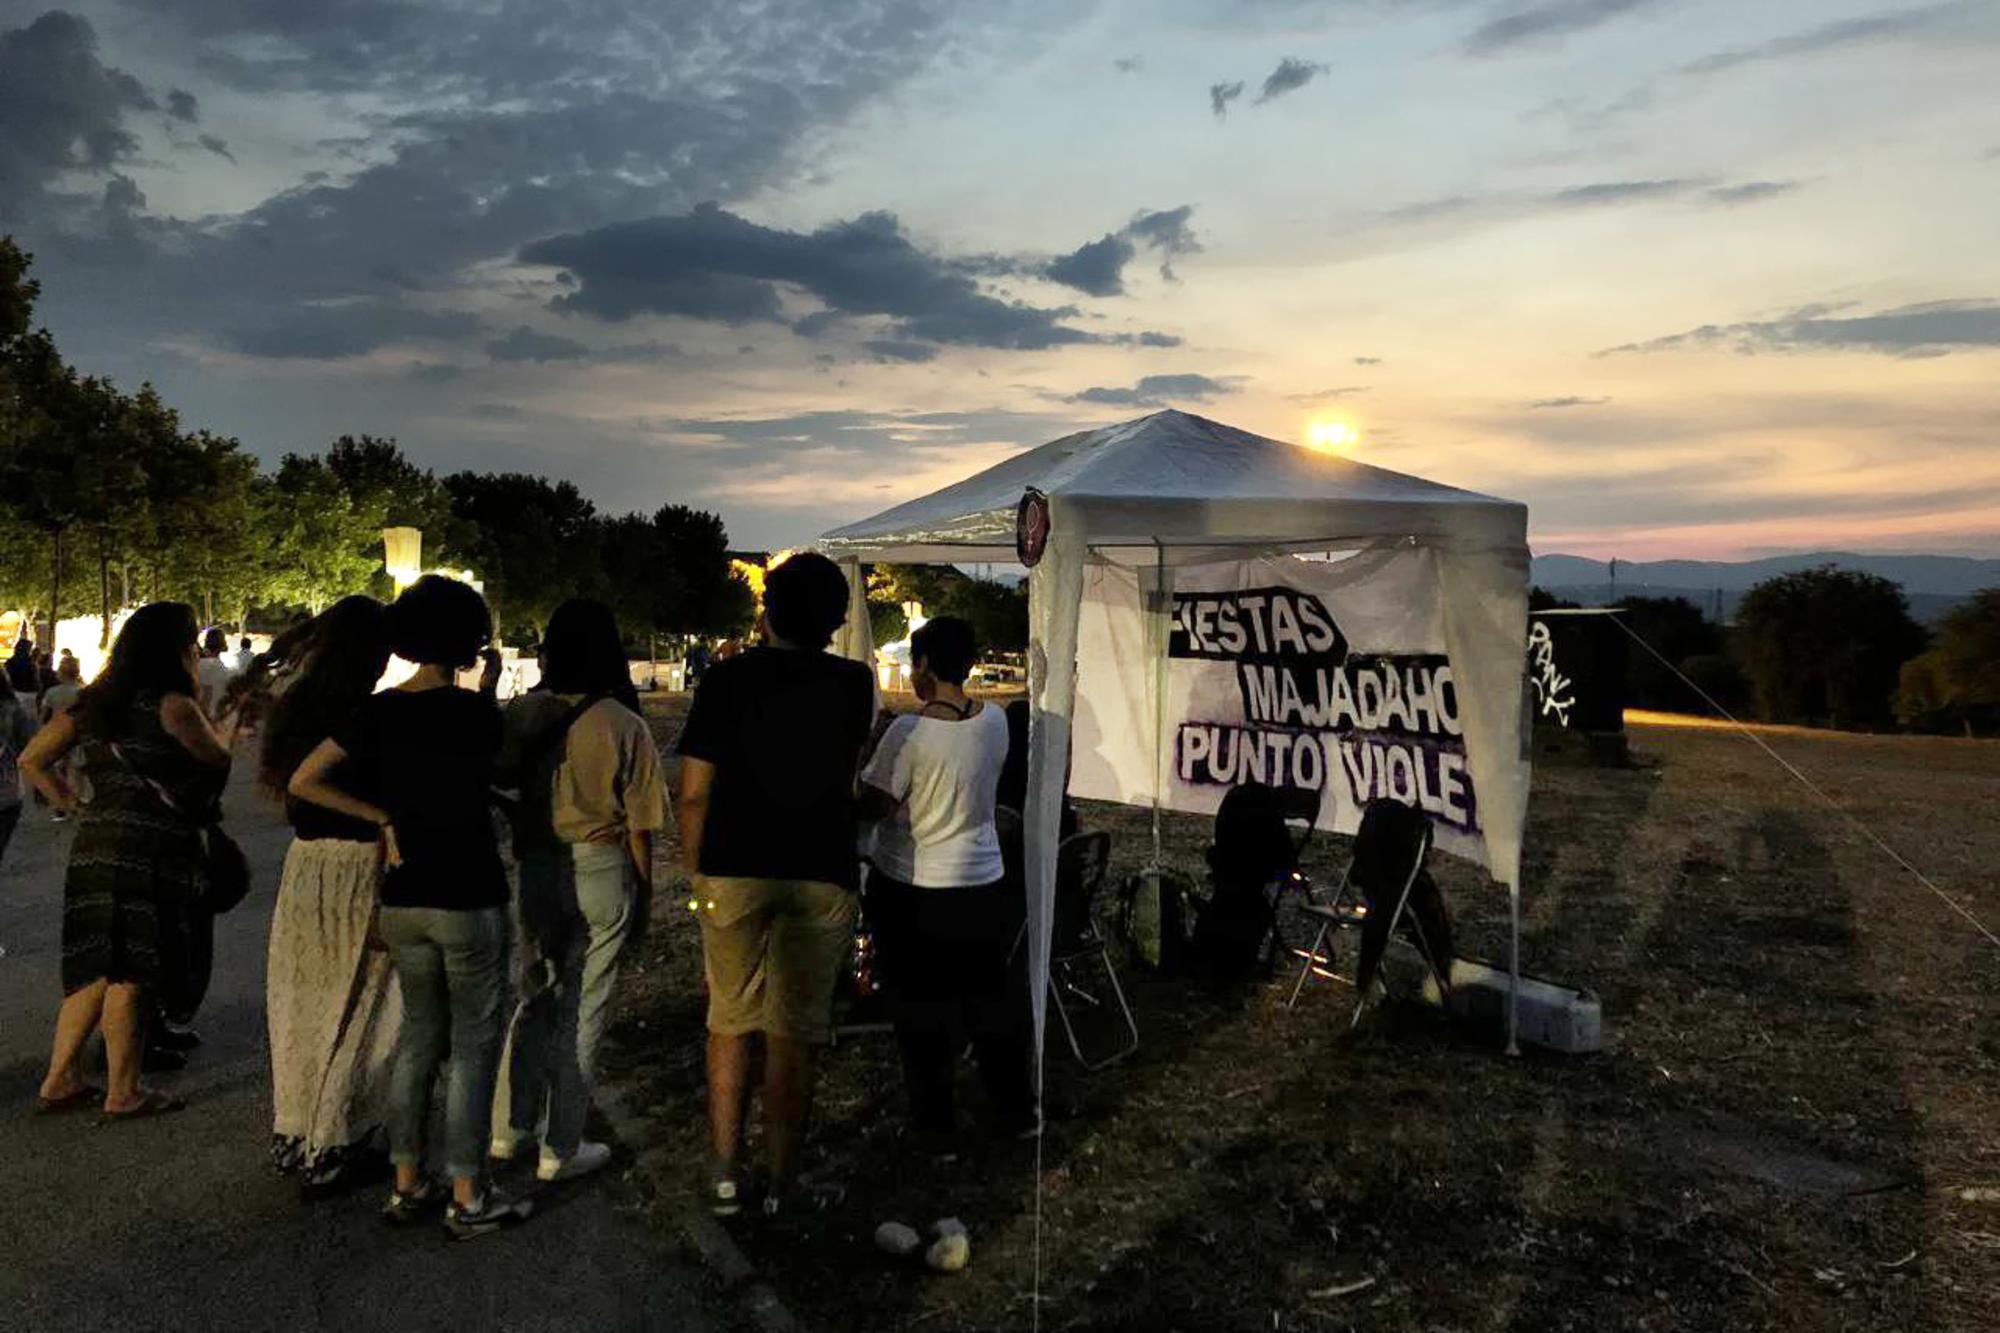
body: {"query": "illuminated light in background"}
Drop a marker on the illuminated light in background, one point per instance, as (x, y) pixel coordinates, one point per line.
(403, 555)
(1331, 437)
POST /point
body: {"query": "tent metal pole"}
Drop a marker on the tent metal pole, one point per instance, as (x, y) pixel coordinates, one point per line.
(1514, 970)
(1162, 633)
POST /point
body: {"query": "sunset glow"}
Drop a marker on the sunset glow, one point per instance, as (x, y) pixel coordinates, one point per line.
(1332, 437)
(1704, 279)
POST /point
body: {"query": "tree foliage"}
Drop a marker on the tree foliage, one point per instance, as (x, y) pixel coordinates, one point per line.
(998, 612)
(1676, 629)
(1826, 645)
(1956, 684)
(106, 500)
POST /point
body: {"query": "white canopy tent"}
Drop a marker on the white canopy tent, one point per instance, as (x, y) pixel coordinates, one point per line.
(1173, 501)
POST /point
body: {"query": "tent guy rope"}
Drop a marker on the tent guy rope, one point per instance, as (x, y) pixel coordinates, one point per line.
(1813, 787)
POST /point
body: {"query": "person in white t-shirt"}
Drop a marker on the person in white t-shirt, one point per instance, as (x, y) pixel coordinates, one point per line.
(212, 674)
(947, 919)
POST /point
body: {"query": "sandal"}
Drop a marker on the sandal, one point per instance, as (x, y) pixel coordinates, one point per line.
(72, 1101)
(151, 1103)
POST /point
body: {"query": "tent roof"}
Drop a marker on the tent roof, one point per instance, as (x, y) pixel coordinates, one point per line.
(1183, 481)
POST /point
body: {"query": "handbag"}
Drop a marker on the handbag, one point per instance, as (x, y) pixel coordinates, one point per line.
(225, 870)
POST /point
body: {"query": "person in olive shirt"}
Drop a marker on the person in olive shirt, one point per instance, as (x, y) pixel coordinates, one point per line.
(768, 760)
(592, 799)
(423, 753)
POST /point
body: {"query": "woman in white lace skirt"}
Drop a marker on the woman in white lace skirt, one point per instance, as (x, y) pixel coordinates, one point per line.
(330, 992)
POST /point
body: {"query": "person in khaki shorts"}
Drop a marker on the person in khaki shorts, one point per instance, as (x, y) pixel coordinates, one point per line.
(768, 761)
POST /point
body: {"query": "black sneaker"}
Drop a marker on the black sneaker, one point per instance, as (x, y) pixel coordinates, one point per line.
(804, 1203)
(160, 1060)
(490, 1212)
(402, 1209)
(173, 1037)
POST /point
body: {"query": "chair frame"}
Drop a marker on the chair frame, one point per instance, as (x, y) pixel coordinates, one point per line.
(1345, 914)
(1090, 943)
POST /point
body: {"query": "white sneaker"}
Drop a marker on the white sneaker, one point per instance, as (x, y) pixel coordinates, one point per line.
(587, 1158)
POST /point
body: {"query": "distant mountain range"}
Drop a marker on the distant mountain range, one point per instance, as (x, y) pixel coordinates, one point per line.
(1933, 583)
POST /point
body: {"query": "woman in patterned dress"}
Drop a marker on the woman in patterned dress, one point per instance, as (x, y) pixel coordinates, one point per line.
(135, 939)
(330, 992)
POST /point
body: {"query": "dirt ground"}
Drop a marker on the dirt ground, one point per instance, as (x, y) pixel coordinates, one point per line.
(1795, 1125)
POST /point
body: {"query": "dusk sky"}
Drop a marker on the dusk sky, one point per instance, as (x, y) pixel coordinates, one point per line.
(1689, 277)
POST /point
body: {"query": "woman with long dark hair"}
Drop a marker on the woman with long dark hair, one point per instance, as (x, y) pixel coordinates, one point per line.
(135, 939)
(592, 798)
(330, 994)
(416, 762)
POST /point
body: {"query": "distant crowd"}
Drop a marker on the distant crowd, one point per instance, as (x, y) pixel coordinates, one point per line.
(415, 939)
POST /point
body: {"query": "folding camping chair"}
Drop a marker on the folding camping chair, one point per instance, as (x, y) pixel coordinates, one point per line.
(1078, 942)
(1387, 866)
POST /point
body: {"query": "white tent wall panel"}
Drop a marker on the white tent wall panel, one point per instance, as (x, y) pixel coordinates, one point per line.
(1386, 602)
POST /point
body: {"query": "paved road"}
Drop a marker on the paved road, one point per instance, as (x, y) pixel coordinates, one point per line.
(178, 1223)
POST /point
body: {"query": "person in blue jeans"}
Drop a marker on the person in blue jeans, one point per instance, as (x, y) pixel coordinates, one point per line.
(592, 798)
(417, 761)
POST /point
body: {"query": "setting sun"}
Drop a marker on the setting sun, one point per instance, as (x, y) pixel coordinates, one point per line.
(1331, 437)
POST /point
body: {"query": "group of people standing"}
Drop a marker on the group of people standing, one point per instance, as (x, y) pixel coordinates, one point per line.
(391, 953)
(392, 937)
(780, 801)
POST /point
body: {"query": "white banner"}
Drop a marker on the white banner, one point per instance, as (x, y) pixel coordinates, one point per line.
(1326, 675)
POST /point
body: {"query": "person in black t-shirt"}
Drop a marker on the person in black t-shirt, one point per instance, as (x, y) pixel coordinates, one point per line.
(417, 763)
(329, 997)
(768, 759)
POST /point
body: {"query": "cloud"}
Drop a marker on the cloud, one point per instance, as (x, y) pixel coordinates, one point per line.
(1544, 404)
(1539, 23)
(482, 126)
(1159, 390)
(525, 344)
(1934, 328)
(1326, 395)
(712, 265)
(1750, 192)
(1367, 360)
(892, 349)
(1826, 37)
(1128, 64)
(216, 145)
(1290, 75)
(1167, 234)
(1454, 213)
(181, 105)
(1220, 95)
(62, 108)
(1097, 268)
(337, 332)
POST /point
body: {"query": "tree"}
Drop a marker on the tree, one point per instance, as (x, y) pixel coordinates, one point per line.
(207, 523)
(537, 545)
(997, 612)
(39, 394)
(1956, 684)
(694, 544)
(379, 476)
(322, 544)
(1676, 629)
(1826, 645)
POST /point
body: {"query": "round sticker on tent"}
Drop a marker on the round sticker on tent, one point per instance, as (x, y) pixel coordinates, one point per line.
(1031, 527)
